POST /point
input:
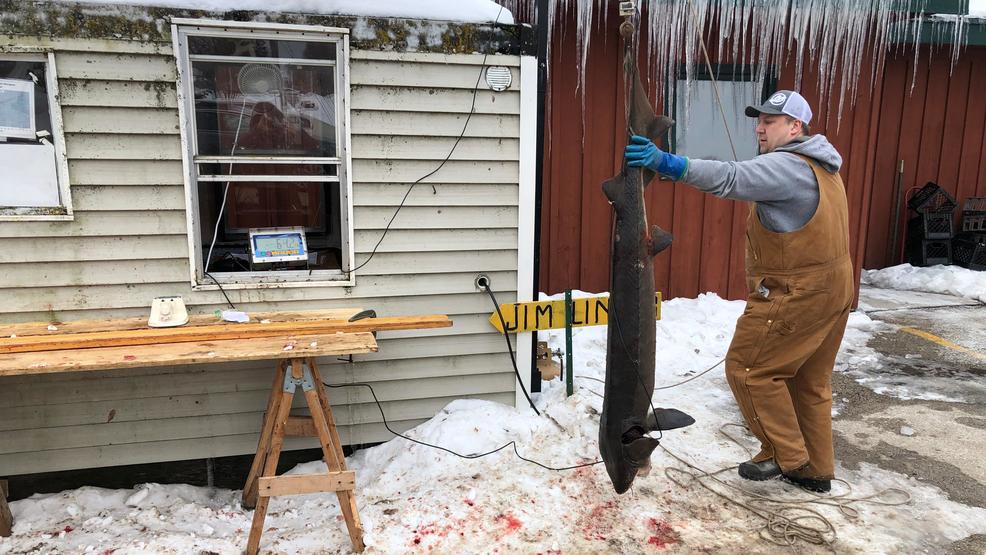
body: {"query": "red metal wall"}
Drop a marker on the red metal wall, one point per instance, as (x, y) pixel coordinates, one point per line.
(938, 130)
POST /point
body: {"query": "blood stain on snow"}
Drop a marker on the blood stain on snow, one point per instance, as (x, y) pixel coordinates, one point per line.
(664, 534)
(596, 520)
(512, 522)
(434, 530)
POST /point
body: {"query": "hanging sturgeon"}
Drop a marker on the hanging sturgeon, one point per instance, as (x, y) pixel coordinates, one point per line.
(627, 416)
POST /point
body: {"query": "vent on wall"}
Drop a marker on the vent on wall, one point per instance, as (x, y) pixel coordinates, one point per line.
(498, 78)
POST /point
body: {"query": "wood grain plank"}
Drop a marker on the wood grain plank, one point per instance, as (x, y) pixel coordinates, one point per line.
(296, 484)
(127, 324)
(185, 353)
(59, 340)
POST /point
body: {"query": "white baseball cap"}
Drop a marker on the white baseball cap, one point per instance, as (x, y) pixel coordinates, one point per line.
(788, 103)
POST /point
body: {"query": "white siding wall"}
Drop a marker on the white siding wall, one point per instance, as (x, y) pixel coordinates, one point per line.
(128, 244)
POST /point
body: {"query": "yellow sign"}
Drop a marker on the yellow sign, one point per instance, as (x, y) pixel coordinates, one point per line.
(550, 315)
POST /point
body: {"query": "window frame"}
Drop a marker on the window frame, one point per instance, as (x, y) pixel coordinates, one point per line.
(42, 213)
(181, 29)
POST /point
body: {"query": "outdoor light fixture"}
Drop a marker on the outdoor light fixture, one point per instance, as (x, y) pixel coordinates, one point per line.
(498, 78)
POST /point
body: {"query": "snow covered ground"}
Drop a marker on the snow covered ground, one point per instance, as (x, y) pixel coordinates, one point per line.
(416, 499)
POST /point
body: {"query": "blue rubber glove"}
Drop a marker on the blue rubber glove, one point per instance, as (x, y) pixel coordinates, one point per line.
(641, 152)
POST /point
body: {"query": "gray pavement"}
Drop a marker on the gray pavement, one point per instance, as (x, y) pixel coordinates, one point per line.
(937, 433)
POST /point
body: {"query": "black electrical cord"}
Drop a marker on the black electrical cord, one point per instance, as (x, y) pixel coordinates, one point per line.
(472, 110)
(510, 349)
(440, 448)
(221, 289)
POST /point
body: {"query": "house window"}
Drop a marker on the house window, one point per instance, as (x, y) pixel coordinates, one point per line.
(34, 182)
(699, 131)
(264, 118)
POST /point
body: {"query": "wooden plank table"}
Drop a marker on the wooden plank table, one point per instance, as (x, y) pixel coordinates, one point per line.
(293, 339)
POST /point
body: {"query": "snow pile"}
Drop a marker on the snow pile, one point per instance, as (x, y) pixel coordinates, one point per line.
(414, 498)
(474, 11)
(977, 8)
(953, 280)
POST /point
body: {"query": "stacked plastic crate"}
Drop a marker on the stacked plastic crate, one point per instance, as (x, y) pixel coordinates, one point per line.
(930, 232)
(969, 246)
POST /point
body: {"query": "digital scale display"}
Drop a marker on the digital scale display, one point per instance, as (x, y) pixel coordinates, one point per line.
(279, 244)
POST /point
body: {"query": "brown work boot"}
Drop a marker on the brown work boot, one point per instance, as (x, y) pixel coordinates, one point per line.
(801, 479)
(759, 471)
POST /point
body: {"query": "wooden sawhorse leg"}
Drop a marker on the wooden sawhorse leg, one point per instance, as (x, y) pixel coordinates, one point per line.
(266, 435)
(6, 519)
(263, 482)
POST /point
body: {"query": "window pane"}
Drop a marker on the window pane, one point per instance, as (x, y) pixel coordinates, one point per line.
(19, 81)
(316, 207)
(29, 165)
(264, 109)
(693, 129)
(261, 48)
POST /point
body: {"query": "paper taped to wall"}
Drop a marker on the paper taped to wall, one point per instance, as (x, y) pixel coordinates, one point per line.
(17, 109)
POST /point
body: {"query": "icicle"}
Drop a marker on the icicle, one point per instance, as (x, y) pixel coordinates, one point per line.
(830, 36)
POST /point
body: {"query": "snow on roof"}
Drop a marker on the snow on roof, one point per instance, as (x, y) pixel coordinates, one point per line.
(472, 11)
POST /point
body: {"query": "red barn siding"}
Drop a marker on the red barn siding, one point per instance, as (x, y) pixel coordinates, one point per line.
(937, 130)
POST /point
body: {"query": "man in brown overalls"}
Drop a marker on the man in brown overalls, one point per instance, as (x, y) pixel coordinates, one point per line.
(799, 285)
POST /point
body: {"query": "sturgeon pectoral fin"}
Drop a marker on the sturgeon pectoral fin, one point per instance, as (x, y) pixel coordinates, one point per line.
(659, 240)
(659, 127)
(613, 189)
(668, 419)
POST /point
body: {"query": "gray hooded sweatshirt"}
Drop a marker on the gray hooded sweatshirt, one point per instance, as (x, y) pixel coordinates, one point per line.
(782, 184)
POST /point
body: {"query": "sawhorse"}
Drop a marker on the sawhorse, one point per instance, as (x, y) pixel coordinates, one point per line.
(263, 483)
(6, 521)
